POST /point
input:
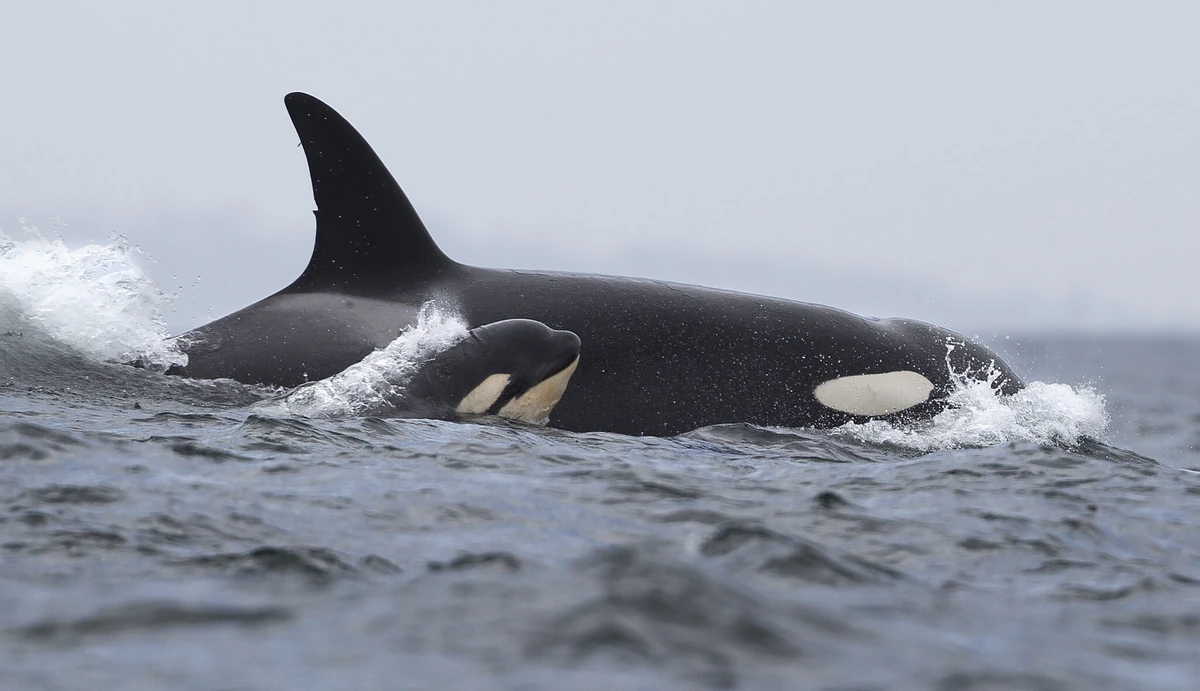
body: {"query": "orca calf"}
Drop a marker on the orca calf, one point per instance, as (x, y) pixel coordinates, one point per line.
(658, 358)
(516, 368)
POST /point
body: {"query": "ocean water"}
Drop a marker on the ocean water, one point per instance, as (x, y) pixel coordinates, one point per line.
(157, 532)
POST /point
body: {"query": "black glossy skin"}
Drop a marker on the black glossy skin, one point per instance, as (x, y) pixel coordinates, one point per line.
(529, 352)
(657, 358)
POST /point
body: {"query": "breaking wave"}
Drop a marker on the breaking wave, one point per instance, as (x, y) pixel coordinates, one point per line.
(373, 384)
(1041, 413)
(95, 299)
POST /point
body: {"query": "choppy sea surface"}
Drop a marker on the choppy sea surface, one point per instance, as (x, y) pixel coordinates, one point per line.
(158, 532)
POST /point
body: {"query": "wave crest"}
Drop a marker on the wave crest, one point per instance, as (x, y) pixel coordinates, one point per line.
(377, 381)
(976, 416)
(95, 299)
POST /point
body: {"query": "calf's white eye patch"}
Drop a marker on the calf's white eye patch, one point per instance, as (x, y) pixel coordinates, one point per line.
(535, 404)
(483, 396)
(874, 394)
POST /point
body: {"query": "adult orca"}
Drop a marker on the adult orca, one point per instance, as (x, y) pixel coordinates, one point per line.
(516, 369)
(658, 358)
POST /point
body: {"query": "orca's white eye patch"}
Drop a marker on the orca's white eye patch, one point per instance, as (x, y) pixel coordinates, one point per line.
(874, 394)
(535, 404)
(483, 396)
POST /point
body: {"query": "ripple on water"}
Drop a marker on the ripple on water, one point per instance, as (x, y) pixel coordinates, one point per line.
(752, 545)
(28, 441)
(318, 564)
(78, 494)
(148, 616)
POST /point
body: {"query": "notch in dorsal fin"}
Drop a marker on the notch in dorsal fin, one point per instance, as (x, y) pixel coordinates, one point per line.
(366, 227)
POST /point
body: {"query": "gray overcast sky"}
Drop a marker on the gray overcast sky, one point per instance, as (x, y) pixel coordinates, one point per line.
(985, 165)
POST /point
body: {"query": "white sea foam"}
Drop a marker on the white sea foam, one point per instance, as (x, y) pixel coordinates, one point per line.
(374, 383)
(95, 299)
(977, 416)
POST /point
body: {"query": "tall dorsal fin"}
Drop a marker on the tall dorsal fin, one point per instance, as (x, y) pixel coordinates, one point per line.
(366, 227)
